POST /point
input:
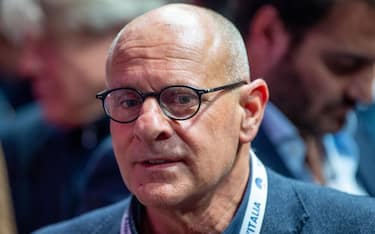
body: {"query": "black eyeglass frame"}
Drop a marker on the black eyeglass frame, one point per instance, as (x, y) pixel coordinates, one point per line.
(103, 94)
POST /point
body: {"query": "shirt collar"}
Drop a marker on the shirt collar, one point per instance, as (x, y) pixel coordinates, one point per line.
(340, 150)
(285, 137)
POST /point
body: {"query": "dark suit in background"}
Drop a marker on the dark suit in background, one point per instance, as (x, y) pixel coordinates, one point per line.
(47, 169)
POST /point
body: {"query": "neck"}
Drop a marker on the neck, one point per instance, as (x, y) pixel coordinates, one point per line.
(315, 157)
(209, 214)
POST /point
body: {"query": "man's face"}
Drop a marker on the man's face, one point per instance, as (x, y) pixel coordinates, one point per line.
(66, 71)
(332, 69)
(165, 162)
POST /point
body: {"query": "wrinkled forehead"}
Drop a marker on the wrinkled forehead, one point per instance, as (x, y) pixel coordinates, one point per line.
(141, 40)
(174, 24)
(174, 38)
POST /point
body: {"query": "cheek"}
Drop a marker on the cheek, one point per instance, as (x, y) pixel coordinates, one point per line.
(215, 141)
(330, 91)
(318, 85)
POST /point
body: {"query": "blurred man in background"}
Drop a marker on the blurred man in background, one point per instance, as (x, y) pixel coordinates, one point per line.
(318, 58)
(15, 94)
(48, 156)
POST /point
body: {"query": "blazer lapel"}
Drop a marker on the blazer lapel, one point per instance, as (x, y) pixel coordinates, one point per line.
(267, 153)
(285, 212)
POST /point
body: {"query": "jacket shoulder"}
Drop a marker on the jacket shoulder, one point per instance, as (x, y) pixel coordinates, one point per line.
(104, 220)
(312, 208)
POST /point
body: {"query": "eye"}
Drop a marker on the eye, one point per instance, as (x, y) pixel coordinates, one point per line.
(125, 99)
(345, 64)
(129, 103)
(179, 102)
(182, 97)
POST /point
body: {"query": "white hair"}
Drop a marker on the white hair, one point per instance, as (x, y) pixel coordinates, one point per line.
(21, 17)
(18, 17)
(97, 15)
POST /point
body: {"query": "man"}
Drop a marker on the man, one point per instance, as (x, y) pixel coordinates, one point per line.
(318, 58)
(183, 113)
(49, 156)
(15, 95)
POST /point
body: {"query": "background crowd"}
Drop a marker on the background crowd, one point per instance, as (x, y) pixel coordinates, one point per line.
(318, 60)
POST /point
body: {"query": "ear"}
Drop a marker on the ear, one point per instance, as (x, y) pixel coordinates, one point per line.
(267, 40)
(253, 100)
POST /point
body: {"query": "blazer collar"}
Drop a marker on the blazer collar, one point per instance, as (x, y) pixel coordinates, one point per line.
(285, 211)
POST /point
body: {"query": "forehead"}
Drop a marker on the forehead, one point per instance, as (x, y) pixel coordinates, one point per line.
(350, 25)
(163, 52)
(144, 61)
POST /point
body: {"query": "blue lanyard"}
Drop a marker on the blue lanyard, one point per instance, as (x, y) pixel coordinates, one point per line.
(255, 209)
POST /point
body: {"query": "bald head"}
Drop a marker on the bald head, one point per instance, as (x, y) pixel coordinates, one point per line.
(181, 31)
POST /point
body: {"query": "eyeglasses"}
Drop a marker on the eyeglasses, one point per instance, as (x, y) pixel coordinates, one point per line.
(178, 102)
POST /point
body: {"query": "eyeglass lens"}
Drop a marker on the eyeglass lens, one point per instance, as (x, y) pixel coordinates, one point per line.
(177, 102)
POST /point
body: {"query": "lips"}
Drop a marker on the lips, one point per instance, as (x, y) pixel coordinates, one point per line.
(156, 162)
(159, 163)
(166, 153)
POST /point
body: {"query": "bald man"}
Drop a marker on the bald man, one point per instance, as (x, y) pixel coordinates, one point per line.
(183, 112)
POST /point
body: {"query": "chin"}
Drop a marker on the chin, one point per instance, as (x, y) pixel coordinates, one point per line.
(159, 195)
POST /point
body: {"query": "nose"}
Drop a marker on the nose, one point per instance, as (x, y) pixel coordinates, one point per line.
(152, 124)
(361, 89)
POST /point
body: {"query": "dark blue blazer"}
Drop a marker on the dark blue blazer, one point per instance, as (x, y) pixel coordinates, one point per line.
(104, 184)
(47, 170)
(292, 207)
(266, 152)
(365, 137)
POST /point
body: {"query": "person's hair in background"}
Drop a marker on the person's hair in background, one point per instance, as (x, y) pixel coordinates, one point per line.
(16, 17)
(297, 16)
(65, 62)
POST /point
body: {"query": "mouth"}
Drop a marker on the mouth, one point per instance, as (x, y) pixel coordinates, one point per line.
(156, 162)
(159, 163)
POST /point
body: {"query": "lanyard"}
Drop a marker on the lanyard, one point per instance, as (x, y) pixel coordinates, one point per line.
(125, 223)
(256, 205)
